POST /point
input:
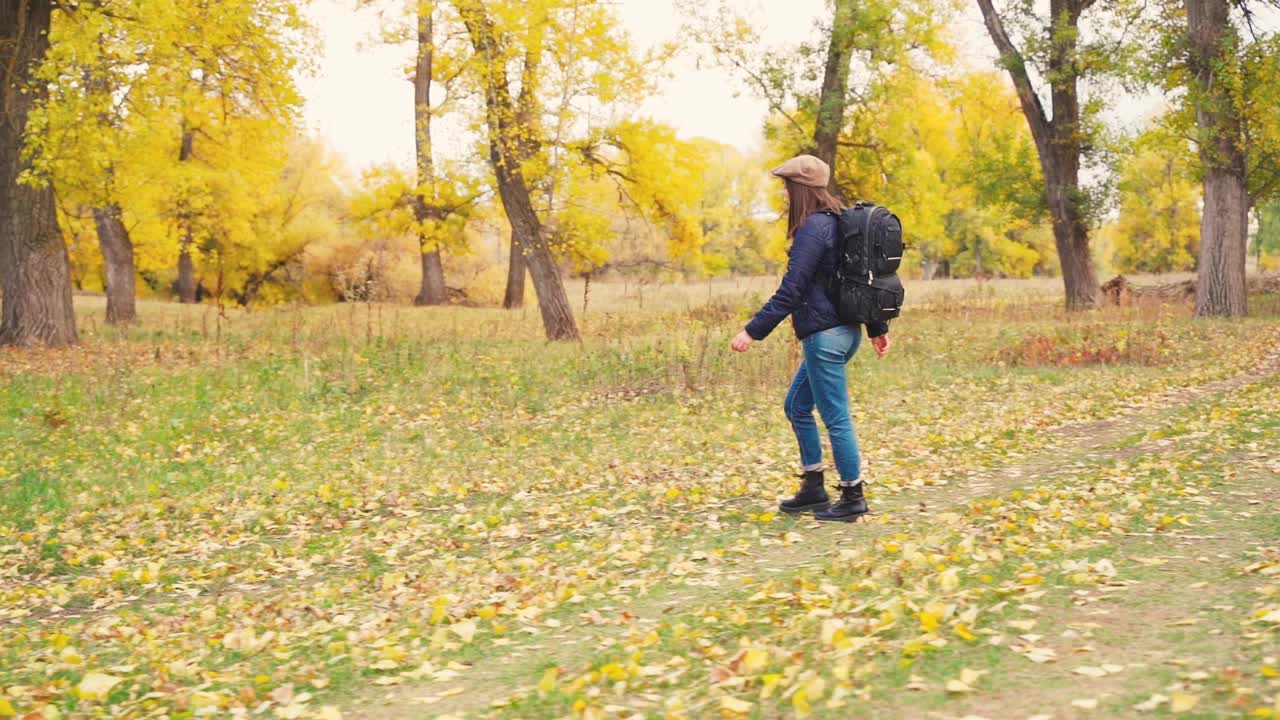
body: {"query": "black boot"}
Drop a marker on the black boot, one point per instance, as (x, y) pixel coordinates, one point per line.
(851, 506)
(812, 495)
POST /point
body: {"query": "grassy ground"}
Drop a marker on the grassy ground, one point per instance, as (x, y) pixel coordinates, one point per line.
(394, 512)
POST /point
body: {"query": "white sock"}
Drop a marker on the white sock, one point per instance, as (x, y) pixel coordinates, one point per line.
(813, 468)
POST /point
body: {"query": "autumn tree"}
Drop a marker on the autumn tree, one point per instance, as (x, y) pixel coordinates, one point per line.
(170, 119)
(548, 71)
(829, 120)
(388, 204)
(1054, 50)
(581, 82)
(95, 140)
(879, 39)
(505, 132)
(1233, 84)
(1212, 42)
(34, 269)
(1158, 225)
(434, 75)
(1222, 70)
(304, 208)
(733, 212)
(228, 87)
(86, 137)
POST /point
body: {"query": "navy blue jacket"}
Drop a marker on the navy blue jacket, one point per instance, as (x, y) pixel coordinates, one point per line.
(801, 294)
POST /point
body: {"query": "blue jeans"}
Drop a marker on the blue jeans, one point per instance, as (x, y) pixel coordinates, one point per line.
(821, 382)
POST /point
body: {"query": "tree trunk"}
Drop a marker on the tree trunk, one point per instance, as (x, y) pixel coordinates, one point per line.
(504, 154)
(1058, 142)
(557, 315)
(433, 289)
(527, 146)
(1070, 230)
(186, 266)
(117, 257)
(1221, 290)
(186, 272)
(34, 268)
(835, 86)
(113, 236)
(516, 269)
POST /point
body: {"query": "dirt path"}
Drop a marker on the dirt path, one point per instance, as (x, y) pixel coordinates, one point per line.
(1072, 448)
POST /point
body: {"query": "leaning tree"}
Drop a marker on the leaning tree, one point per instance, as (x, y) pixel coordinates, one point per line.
(1053, 50)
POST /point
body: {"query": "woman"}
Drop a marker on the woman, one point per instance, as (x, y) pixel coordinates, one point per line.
(828, 343)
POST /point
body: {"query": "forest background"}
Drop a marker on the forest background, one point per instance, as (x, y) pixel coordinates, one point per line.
(169, 141)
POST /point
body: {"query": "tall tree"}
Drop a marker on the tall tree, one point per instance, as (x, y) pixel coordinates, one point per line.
(34, 268)
(1222, 68)
(880, 38)
(505, 153)
(186, 284)
(108, 217)
(435, 75)
(82, 142)
(1158, 225)
(433, 290)
(222, 74)
(835, 84)
(1059, 140)
(527, 118)
(1224, 225)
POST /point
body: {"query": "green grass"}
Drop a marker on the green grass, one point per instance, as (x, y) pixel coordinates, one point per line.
(358, 480)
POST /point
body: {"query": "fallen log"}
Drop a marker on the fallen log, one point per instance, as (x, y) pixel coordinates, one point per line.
(1119, 291)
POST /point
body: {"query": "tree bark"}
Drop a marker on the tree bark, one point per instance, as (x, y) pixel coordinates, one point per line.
(433, 290)
(113, 236)
(1224, 226)
(1057, 141)
(36, 308)
(504, 154)
(186, 285)
(117, 258)
(527, 146)
(516, 270)
(835, 86)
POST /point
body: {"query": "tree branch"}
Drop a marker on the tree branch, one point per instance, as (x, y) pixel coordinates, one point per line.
(1016, 65)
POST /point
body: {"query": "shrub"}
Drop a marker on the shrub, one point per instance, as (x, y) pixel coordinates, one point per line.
(1072, 345)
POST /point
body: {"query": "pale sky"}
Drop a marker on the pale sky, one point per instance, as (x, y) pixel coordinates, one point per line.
(361, 104)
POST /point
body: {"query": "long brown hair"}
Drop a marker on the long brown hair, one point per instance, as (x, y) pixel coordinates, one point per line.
(803, 201)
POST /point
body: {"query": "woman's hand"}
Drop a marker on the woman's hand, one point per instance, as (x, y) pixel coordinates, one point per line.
(881, 344)
(742, 342)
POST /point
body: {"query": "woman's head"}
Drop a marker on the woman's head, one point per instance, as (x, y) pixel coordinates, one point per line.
(806, 178)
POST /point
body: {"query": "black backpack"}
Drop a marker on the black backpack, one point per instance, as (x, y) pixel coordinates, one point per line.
(864, 286)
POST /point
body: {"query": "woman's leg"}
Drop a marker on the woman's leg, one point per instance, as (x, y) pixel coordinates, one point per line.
(799, 410)
(825, 356)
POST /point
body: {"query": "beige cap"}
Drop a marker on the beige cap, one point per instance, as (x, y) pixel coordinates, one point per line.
(806, 170)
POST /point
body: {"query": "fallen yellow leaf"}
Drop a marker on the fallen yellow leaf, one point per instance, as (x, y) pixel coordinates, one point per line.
(1182, 702)
(549, 677)
(97, 685)
(800, 703)
(465, 630)
(928, 621)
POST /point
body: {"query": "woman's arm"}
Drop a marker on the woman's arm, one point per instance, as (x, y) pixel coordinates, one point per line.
(802, 265)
